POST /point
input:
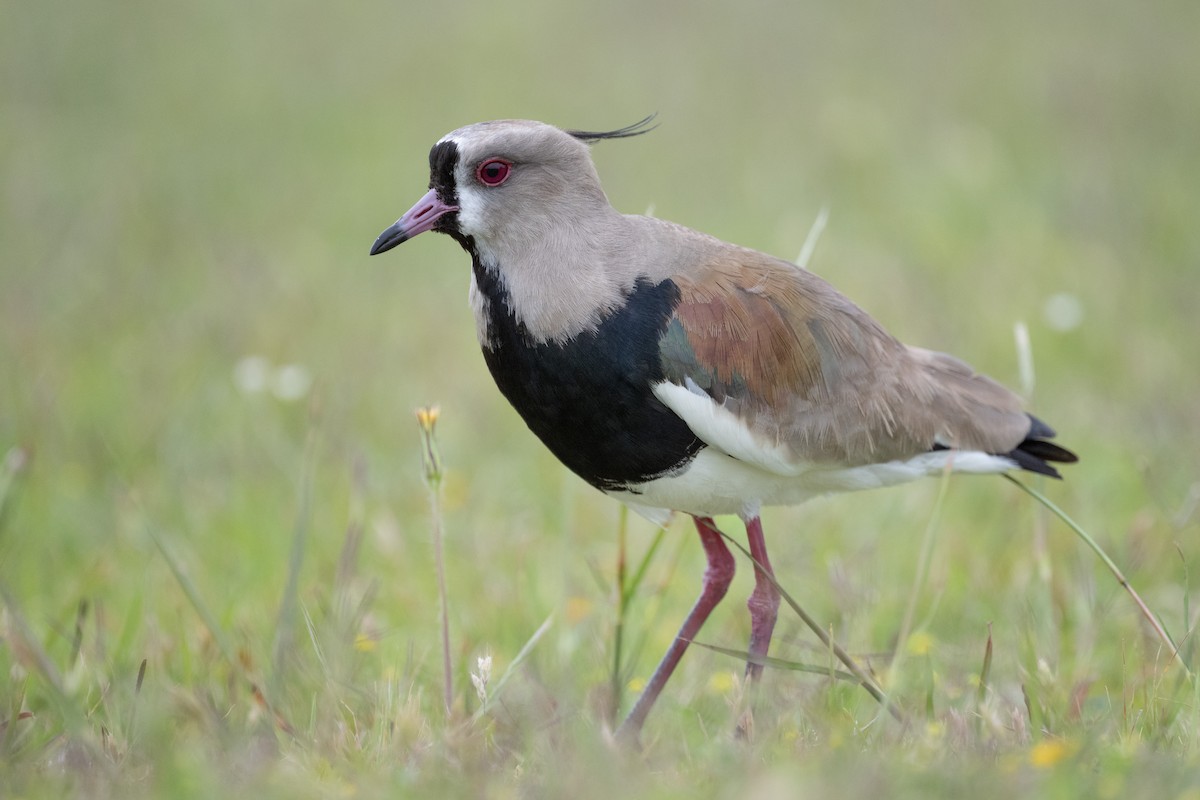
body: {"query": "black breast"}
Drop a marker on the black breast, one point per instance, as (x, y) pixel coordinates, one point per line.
(589, 399)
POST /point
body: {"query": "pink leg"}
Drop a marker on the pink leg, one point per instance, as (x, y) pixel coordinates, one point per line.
(717, 578)
(763, 602)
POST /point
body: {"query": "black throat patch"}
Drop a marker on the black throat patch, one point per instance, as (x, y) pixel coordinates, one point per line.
(589, 399)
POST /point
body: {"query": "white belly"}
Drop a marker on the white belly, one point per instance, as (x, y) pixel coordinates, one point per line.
(714, 483)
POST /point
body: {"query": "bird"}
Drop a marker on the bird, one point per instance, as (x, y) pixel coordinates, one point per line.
(677, 372)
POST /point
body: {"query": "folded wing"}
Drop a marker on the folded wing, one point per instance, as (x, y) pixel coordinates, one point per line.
(770, 364)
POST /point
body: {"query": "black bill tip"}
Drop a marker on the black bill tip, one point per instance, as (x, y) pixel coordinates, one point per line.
(397, 234)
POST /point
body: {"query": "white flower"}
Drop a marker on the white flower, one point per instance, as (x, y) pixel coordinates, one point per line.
(291, 382)
(1063, 311)
(481, 678)
(250, 374)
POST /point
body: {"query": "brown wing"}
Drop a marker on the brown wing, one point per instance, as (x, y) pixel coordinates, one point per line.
(811, 375)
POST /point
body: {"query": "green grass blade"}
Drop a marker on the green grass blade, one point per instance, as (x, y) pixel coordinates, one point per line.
(616, 682)
(14, 464)
(193, 595)
(928, 541)
(627, 588)
(516, 662)
(640, 573)
(985, 673)
(431, 462)
(1112, 567)
(781, 663)
(285, 623)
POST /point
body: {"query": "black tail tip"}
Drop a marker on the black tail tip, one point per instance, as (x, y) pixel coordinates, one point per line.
(1035, 454)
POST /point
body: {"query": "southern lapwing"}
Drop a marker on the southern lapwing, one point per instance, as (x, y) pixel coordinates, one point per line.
(677, 372)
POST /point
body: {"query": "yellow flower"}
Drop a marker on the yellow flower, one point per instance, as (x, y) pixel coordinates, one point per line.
(577, 609)
(364, 643)
(427, 417)
(1047, 753)
(722, 683)
(920, 643)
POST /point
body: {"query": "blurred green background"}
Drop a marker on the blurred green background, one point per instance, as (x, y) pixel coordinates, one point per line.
(195, 346)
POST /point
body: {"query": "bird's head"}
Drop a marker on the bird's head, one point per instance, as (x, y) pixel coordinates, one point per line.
(502, 185)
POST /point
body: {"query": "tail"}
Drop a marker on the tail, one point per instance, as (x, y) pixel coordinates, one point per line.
(1035, 453)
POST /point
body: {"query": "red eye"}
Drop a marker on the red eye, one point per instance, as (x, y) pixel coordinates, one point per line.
(493, 172)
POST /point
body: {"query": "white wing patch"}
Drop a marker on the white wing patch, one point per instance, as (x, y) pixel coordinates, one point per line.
(721, 428)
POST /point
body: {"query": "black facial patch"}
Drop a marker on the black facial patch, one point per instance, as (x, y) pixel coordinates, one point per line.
(589, 399)
(443, 160)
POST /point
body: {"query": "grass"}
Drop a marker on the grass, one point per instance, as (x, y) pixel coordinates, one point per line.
(219, 580)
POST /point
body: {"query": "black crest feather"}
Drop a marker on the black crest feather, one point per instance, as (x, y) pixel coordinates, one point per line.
(636, 129)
